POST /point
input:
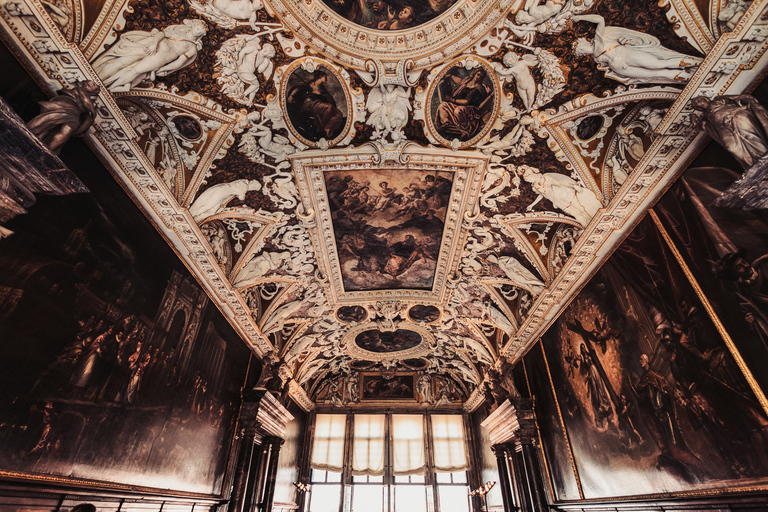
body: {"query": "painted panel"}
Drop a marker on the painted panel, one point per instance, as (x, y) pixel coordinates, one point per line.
(658, 403)
(115, 367)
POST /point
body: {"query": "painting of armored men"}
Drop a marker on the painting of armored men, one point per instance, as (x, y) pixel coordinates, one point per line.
(640, 370)
(379, 387)
(388, 226)
(114, 364)
(389, 14)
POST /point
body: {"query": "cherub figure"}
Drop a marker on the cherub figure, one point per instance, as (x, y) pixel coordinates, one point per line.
(388, 106)
(252, 60)
(519, 69)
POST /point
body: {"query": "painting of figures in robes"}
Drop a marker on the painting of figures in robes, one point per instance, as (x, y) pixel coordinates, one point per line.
(651, 397)
(114, 364)
(388, 226)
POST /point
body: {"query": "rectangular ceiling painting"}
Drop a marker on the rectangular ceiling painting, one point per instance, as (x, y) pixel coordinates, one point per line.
(388, 226)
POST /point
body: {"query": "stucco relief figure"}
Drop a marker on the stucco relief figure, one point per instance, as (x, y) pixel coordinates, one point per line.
(519, 68)
(460, 114)
(70, 114)
(738, 123)
(564, 193)
(139, 55)
(729, 16)
(518, 274)
(217, 197)
(260, 265)
(226, 13)
(388, 106)
(633, 57)
(550, 17)
(239, 62)
(424, 388)
(353, 388)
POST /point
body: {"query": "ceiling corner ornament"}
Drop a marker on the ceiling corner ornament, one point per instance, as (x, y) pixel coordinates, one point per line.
(353, 45)
(360, 165)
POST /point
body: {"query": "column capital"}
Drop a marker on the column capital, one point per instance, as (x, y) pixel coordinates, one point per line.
(263, 416)
(512, 421)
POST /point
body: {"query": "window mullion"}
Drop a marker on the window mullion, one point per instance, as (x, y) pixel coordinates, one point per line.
(430, 479)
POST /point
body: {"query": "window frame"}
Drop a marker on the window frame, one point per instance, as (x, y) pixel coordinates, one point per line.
(388, 479)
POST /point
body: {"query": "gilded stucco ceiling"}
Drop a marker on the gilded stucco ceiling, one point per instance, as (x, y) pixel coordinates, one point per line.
(409, 186)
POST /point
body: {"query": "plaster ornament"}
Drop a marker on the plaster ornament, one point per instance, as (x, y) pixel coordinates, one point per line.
(261, 265)
(217, 239)
(563, 192)
(729, 17)
(353, 388)
(424, 388)
(496, 317)
(498, 179)
(518, 274)
(627, 144)
(518, 68)
(217, 197)
(139, 55)
(239, 61)
(551, 17)
(633, 57)
(227, 13)
(281, 189)
(477, 350)
(480, 240)
(388, 106)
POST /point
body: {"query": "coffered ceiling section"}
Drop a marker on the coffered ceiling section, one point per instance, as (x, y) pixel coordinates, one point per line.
(406, 187)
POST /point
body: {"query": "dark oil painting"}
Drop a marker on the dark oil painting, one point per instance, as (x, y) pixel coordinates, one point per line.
(651, 397)
(423, 313)
(114, 364)
(316, 104)
(388, 226)
(379, 387)
(375, 340)
(462, 103)
(389, 14)
(352, 314)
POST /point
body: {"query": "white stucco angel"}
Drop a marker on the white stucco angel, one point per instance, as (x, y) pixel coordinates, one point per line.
(226, 13)
(424, 388)
(260, 265)
(388, 106)
(239, 61)
(563, 192)
(633, 57)
(139, 55)
(518, 274)
(519, 68)
(217, 197)
(217, 239)
(550, 17)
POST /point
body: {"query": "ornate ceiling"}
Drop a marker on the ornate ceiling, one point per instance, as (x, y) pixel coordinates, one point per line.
(408, 187)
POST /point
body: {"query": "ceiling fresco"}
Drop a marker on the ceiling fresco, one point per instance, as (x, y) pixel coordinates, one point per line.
(389, 198)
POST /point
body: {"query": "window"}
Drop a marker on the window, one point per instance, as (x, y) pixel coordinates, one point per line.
(392, 463)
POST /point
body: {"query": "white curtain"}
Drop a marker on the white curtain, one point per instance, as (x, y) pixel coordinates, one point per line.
(448, 439)
(408, 443)
(328, 452)
(368, 445)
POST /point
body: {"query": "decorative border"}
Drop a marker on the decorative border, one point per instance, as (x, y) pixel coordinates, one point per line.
(349, 44)
(467, 169)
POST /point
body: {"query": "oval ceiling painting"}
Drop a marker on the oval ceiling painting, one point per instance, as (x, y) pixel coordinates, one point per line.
(374, 340)
(317, 105)
(462, 104)
(389, 14)
(421, 313)
(351, 314)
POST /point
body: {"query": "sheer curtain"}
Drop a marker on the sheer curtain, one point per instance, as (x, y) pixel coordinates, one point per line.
(328, 452)
(408, 443)
(368, 445)
(448, 439)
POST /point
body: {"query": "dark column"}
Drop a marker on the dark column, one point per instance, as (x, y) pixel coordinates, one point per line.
(262, 422)
(512, 429)
(505, 479)
(272, 451)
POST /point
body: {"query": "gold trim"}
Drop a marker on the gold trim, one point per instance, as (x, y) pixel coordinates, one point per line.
(562, 423)
(550, 481)
(711, 312)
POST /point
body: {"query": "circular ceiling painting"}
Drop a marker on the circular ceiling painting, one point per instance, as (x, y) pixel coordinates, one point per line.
(389, 14)
(378, 341)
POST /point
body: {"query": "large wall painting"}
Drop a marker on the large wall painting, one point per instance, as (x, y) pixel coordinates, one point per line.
(651, 398)
(115, 367)
(389, 14)
(388, 226)
(375, 387)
